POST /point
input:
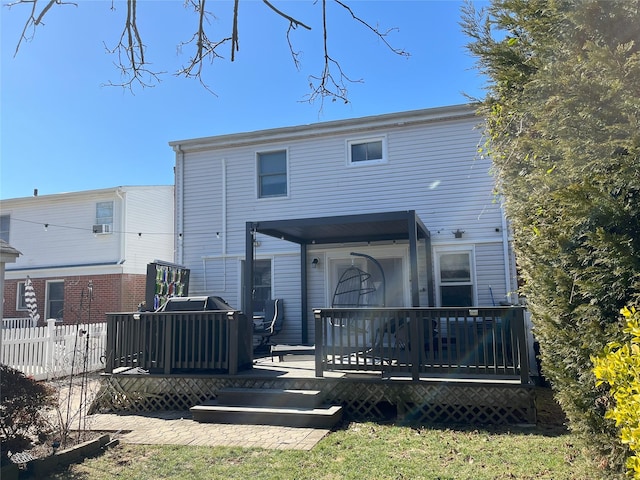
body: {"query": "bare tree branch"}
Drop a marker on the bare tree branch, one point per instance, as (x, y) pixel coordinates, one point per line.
(334, 85)
(326, 84)
(293, 24)
(130, 51)
(292, 21)
(33, 21)
(131, 61)
(381, 35)
(234, 35)
(205, 48)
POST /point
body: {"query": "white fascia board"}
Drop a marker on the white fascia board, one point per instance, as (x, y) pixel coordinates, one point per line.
(352, 125)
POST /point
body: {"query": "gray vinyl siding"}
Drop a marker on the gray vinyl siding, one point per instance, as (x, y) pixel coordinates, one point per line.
(286, 271)
(490, 274)
(431, 167)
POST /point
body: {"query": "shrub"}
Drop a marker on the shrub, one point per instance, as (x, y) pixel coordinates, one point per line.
(562, 120)
(22, 410)
(619, 366)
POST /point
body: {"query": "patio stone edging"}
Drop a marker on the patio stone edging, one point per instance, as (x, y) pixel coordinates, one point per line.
(40, 467)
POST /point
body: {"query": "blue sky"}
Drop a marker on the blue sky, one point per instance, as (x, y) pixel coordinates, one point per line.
(63, 130)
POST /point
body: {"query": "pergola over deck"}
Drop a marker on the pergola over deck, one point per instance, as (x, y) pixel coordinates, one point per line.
(369, 227)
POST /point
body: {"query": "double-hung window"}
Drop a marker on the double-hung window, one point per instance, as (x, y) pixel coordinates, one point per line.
(371, 150)
(272, 174)
(455, 278)
(21, 304)
(54, 307)
(104, 213)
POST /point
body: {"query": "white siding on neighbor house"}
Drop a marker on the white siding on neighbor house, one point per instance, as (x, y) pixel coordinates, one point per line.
(68, 246)
(68, 239)
(432, 167)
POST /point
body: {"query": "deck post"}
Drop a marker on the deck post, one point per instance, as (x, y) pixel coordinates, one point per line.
(248, 269)
(110, 358)
(232, 345)
(521, 336)
(319, 342)
(413, 261)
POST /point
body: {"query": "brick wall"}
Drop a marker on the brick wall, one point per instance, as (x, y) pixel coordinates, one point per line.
(108, 293)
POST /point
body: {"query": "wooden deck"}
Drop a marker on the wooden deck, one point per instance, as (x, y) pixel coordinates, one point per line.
(415, 364)
(363, 395)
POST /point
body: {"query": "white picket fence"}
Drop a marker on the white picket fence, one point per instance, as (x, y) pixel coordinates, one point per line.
(54, 351)
(18, 322)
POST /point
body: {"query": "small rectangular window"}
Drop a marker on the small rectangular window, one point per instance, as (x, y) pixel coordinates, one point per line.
(104, 213)
(365, 151)
(5, 220)
(272, 174)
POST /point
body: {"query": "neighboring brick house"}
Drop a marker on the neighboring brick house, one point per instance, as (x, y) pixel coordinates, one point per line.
(86, 252)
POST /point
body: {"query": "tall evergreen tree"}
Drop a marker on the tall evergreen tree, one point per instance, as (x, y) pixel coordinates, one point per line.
(563, 131)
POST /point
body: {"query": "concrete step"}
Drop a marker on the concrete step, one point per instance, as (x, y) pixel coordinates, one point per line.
(319, 417)
(271, 397)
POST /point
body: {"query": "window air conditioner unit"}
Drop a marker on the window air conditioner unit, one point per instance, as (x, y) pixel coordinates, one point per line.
(102, 228)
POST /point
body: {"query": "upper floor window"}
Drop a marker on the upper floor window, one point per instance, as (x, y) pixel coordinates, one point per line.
(455, 278)
(4, 227)
(371, 150)
(272, 174)
(104, 213)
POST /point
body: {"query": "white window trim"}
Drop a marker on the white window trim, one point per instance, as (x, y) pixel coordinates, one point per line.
(257, 154)
(378, 138)
(99, 221)
(46, 300)
(20, 308)
(8, 216)
(443, 250)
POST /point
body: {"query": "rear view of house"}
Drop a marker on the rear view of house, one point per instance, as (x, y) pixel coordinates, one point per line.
(404, 200)
(376, 244)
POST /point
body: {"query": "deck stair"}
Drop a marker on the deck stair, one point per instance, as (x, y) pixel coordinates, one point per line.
(258, 406)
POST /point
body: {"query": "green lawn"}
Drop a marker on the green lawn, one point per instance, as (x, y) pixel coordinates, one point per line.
(360, 451)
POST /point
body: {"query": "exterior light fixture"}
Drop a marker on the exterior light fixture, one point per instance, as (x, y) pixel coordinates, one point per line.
(314, 262)
(458, 233)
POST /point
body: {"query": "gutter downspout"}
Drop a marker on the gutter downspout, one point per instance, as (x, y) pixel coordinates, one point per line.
(123, 226)
(178, 172)
(506, 256)
(224, 224)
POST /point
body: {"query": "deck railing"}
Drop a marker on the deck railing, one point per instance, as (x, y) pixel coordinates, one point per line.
(173, 342)
(438, 342)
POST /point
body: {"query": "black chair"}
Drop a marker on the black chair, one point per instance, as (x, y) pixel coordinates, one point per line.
(271, 323)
